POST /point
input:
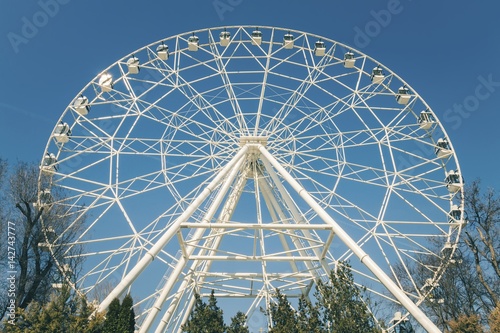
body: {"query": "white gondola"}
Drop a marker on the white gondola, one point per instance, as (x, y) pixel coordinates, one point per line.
(224, 38)
(402, 324)
(442, 149)
(44, 199)
(256, 37)
(403, 96)
(426, 120)
(81, 105)
(319, 48)
(57, 286)
(349, 60)
(455, 214)
(377, 75)
(44, 247)
(49, 163)
(288, 41)
(133, 65)
(453, 181)
(66, 268)
(193, 43)
(162, 51)
(49, 233)
(106, 82)
(447, 252)
(62, 132)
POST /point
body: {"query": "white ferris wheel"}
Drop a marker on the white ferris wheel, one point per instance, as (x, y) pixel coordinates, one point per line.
(241, 160)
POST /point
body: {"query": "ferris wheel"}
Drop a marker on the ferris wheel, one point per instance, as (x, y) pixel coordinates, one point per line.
(244, 159)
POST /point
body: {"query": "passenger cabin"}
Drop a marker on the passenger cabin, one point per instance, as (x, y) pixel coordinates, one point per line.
(162, 51)
(401, 324)
(224, 37)
(426, 120)
(349, 60)
(288, 41)
(49, 233)
(81, 105)
(49, 163)
(106, 82)
(44, 198)
(447, 252)
(453, 181)
(62, 132)
(403, 96)
(133, 65)
(455, 214)
(193, 43)
(319, 48)
(442, 148)
(256, 37)
(44, 247)
(377, 75)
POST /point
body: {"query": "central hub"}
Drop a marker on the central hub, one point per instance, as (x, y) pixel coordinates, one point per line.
(252, 142)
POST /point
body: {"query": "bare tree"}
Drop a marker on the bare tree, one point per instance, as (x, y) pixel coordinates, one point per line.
(482, 237)
(41, 253)
(470, 285)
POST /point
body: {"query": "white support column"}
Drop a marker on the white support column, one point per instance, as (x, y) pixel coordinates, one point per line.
(172, 230)
(357, 250)
(225, 215)
(298, 217)
(188, 251)
(268, 195)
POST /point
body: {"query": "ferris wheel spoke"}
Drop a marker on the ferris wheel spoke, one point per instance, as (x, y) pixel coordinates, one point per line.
(297, 95)
(221, 66)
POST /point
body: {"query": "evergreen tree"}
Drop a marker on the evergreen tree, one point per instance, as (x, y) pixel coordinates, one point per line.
(64, 313)
(205, 318)
(238, 324)
(112, 322)
(215, 316)
(341, 303)
(283, 316)
(127, 316)
(309, 317)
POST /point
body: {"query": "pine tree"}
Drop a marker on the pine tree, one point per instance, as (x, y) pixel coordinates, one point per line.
(205, 318)
(283, 316)
(112, 322)
(309, 317)
(215, 316)
(127, 316)
(65, 312)
(238, 324)
(341, 303)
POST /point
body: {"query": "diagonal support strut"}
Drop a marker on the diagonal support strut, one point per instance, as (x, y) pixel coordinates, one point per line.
(357, 250)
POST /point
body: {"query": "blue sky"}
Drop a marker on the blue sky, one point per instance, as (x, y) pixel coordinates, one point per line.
(447, 50)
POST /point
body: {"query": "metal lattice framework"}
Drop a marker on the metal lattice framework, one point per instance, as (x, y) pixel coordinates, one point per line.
(242, 160)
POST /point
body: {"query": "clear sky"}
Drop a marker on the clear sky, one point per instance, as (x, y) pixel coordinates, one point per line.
(448, 51)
